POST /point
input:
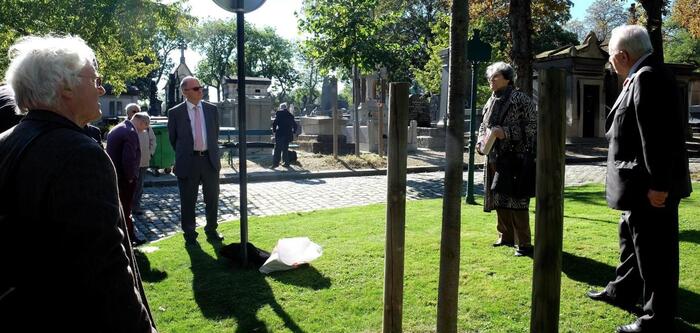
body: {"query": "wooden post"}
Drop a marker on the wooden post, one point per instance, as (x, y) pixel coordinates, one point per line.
(450, 237)
(395, 207)
(549, 211)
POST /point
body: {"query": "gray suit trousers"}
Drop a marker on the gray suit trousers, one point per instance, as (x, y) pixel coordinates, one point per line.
(202, 173)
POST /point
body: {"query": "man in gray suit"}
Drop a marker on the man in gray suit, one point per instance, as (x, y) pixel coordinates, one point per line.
(647, 177)
(193, 128)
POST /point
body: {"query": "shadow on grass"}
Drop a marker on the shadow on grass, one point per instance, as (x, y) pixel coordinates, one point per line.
(592, 196)
(589, 219)
(147, 273)
(596, 273)
(223, 291)
(692, 236)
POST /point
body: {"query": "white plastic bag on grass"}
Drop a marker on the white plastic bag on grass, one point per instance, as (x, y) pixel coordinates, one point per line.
(290, 253)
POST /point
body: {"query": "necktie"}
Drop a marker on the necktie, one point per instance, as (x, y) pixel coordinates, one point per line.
(198, 137)
(627, 81)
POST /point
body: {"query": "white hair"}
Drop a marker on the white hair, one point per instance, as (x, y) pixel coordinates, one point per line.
(504, 69)
(142, 116)
(41, 66)
(631, 38)
(131, 106)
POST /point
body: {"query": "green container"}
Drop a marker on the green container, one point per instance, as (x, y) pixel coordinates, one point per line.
(164, 158)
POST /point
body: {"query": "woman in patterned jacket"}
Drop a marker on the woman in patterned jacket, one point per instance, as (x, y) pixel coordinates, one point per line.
(510, 119)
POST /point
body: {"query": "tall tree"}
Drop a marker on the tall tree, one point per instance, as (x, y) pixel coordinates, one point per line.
(448, 286)
(216, 41)
(655, 9)
(604, 15)
(122, 49)
(686, 13)
(520, 22)
(343, 34)
(269, 55)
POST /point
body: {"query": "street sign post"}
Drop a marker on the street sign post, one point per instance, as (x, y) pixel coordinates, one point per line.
(477, 51)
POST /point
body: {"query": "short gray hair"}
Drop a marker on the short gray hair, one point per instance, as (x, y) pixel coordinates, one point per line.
(130, 106)
(631, 38)
(501, 68)
(142, 116)
(40, 66)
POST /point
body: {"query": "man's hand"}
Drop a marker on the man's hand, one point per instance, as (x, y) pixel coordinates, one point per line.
(657, 199)
(498, 132)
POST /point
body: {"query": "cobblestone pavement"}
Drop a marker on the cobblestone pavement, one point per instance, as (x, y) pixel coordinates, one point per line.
(161, 216)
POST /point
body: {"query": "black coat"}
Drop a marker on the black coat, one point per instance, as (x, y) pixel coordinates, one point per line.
(647, 140)
(284, 126)
(66, 252)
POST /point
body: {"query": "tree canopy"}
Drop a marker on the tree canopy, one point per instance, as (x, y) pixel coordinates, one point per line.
(123, 33)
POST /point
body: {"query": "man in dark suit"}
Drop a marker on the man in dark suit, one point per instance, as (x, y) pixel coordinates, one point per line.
(193, 128)
(124, 150)
(61, 194)
(646, 178)
(284, 128)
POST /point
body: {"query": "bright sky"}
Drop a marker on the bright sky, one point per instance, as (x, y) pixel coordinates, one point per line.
(278, 14)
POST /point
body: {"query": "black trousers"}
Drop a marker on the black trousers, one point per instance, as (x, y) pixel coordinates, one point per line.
(281, 151)
(649, 263)
(202, 173)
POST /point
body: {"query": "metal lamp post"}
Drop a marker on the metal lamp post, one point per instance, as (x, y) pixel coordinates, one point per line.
(240, 7)
(477, 52)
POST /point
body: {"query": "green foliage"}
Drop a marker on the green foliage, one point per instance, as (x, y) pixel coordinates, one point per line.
(680, 46)
(122, 33)
(345, 33)
(195, 289)
(266, 54)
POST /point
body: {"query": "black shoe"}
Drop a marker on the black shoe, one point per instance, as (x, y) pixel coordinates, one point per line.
(286, 165)
(524, 251)
(502, 243)
(214, 236)
(603, 296)
(138, 241)
(138, 212)
(274, 166)
(631, 328)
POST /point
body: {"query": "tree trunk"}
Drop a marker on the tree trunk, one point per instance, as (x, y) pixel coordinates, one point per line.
(454, 156)
(654, 9)
(520, 22)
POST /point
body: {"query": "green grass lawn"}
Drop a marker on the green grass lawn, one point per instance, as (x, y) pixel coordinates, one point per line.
(196, 290)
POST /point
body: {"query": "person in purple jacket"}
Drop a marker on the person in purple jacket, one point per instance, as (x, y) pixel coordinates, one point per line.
(124, 150)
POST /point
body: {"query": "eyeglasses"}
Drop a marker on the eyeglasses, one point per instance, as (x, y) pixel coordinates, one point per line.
(95, 80)
(194, 88)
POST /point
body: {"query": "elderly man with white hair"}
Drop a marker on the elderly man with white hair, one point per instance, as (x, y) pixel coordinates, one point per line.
(67, 265)
(147, 143)
(646, 178)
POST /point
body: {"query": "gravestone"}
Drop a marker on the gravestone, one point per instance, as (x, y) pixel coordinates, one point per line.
(328, 91)
(418, 110)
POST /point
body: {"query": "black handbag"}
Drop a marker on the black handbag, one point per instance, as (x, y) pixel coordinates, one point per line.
(515, 175)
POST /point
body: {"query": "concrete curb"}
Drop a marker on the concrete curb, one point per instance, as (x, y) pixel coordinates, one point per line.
(272, 176)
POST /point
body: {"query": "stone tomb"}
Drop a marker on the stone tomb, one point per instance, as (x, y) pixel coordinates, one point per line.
(317, 135)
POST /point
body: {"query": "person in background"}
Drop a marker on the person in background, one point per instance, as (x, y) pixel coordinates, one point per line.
(646, 178)
(147, 143)
(67, 265)
(193, 130)
(510, 117)
(9, 113)
(283, 127)
(93, 132)
(124, 150)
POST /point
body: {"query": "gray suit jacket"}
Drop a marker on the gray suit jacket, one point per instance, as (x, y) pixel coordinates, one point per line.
(182, 139)
(647, 140)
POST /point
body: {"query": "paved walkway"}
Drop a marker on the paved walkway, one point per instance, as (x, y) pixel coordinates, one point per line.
(162, 213)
